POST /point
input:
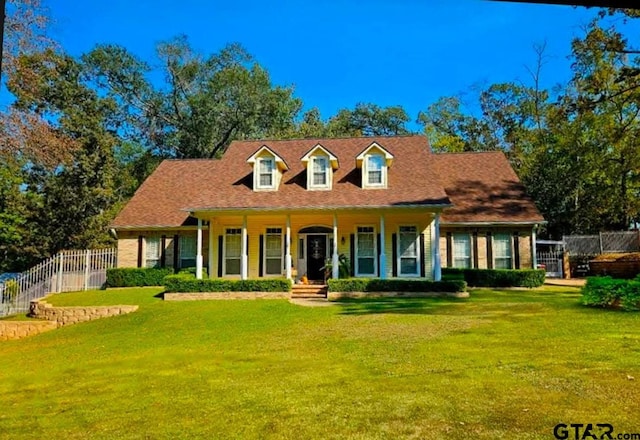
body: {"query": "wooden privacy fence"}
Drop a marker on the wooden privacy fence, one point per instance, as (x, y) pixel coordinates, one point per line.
(68, 271)
(603, 243)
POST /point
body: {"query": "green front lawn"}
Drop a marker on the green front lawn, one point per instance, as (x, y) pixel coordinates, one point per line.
(501, 364)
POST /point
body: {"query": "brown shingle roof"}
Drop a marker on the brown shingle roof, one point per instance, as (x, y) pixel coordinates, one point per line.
(483, 188)
(227, 183)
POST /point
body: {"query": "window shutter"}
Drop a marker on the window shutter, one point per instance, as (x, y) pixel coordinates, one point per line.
(449, 249)
(378, 246)
(489, 251)
(261, 257)
(352, 253)
(516, 250)
(220, 245)
(140, 238)
(422, 269)
(475, 250)
(176, 254)
(394, 258)
(163, 251)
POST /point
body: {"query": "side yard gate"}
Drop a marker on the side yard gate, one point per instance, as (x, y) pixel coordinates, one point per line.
(68, 271)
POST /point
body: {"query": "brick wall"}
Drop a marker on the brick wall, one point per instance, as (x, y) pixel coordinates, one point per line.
(524, 244)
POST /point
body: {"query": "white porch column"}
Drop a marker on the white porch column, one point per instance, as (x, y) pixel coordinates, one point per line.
(534, 257)
(335, 262)
(437, 265)
(244, 259)
(383, 255)
(199, 251)
(287, 249)
(211, 248)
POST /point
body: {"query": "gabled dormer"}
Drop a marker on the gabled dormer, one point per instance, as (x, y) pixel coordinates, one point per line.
(320, 164)
(267, 169)
(374, 162)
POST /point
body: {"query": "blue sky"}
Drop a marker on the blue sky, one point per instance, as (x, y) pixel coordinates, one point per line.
(339, 53)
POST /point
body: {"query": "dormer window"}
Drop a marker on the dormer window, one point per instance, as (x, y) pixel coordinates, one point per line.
(320, 164)
(374, 162)
(267, 169)
(320, 172)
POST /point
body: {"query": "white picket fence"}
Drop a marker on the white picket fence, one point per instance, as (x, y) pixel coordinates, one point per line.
(68, 271)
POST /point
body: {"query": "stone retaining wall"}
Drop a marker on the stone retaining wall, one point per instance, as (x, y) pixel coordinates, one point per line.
(333, 296)
(22, 329)
(41, 309)
(194, 296)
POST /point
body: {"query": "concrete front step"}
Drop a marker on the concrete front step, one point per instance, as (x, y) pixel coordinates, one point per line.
(309, 296)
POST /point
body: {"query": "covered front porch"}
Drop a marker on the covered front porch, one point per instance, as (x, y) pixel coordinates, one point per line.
(372, 243)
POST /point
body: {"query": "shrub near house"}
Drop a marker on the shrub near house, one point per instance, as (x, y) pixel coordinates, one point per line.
(136, 277)
(497, 277)
(610, 292)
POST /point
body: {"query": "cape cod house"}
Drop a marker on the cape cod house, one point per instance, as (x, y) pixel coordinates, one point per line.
(276, 208)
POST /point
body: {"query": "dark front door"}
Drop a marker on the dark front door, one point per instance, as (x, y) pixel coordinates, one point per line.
(316, 256)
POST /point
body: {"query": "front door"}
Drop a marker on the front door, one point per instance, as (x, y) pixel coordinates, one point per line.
(316, 256)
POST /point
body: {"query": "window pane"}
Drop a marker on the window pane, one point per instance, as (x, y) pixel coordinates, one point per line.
(266, 179)
(461, 250)
(233, 245)
(408, 239)
(274, 266)
(502, 251)
(366, 250)
(365, 245)
(375, 163)
(366, 266)
(232, 266)
(152, 252)
(187, 251)
(273, 247)
(266, 172)
(374, 169)
(266, 165)
(320, 179)
(408, 266)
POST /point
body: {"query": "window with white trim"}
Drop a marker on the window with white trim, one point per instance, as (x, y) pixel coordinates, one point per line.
(232, 251)
(375, 170)
(366, 251)
(320, 172)
(461, 250)
(273, 251)
(188, 251)
(502, 252)
(152, 252)
(266, 168)
(408, 251)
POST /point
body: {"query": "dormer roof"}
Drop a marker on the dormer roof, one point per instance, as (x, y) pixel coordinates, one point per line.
(374, 148)
(333, 160)
(263, 151)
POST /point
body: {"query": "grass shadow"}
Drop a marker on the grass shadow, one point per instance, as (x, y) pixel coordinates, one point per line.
(417, 306)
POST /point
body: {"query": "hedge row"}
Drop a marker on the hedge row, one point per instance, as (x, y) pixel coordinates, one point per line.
(496, 277)
(187, 283)
(135, 277)
(612, 292)
(394, 285)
